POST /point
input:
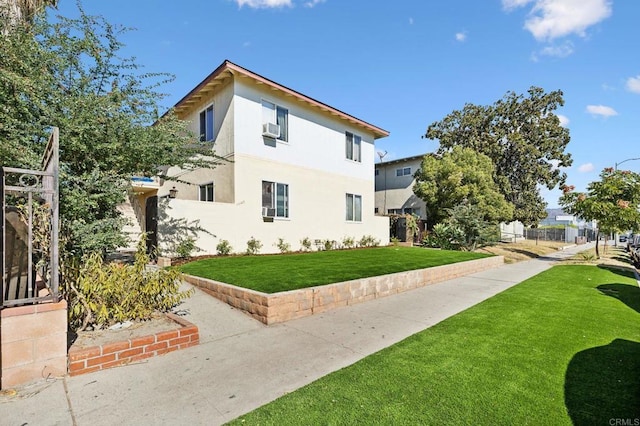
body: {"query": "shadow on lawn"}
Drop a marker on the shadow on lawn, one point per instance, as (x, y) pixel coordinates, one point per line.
(627, 294)
(603, 383)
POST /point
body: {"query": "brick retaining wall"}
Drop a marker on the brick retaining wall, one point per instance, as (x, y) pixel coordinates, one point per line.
(288, 305)
(86, 360)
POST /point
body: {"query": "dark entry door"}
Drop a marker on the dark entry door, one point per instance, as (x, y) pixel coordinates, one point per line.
(151, 225)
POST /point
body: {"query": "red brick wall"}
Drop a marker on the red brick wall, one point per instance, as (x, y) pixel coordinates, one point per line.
(86, 360)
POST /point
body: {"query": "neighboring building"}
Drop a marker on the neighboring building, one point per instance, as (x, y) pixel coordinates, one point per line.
(297, 168)
(558, 217)
(394, 193)
(394, 187)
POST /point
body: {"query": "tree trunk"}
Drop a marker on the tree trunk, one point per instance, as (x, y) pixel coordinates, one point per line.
(597, 241)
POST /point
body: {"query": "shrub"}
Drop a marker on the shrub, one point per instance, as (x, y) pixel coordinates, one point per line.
(100, 294)
(476, 231)
(348, 242)
(253, 246)
(305, 244)
(329, 244)
(186, 248)
(368, 241)
(588, 256)
(283, 246)
(444, 236)
(224, 248)
(411, 226)
(395, 241)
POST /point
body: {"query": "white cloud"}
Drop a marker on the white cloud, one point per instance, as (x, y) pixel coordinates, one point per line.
(246, 44)
(410, 21)
(560, 51)
(312, 3)
(461, 36)
(513, 4)
(601, 110)
(586, 168)
(550, 19)
(260, 4)
(564, 120)
(633, 84)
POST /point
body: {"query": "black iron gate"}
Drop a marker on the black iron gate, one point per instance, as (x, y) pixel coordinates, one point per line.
(29, 257)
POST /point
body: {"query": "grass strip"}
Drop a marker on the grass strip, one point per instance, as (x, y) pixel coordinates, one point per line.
(275, 273)
(560, 348)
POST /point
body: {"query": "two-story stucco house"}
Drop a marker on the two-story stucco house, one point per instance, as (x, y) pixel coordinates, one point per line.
(297, 168)
(394, 187)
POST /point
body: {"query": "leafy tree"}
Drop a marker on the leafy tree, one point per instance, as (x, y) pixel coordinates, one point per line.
(23, 11)
(459, 176)
(613, 202)
(69, 74)
(523, 138)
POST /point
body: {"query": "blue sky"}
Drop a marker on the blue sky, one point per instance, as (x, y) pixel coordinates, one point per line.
(402, 65)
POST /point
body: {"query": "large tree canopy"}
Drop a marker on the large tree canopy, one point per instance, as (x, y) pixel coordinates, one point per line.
(69, 74)
(461, 176)
(613, 201)
(524, 139)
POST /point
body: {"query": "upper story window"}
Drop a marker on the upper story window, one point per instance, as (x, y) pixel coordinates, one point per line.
(272, 113)
(206, 124)
(206, 192)
(353, 146)
(275, 199)
(405, 171)
(354, 208)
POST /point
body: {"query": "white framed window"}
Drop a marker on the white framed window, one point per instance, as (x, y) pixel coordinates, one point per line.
(275, 199)
(405, 171)
(354, 207)
(353, 145)
(206, 192)
(273, 113)
(206, 124)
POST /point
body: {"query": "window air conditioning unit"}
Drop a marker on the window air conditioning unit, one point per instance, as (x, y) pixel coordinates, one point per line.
(267, 212)
(271, 130)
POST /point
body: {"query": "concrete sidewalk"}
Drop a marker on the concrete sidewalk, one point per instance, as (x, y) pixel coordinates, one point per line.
(242, 364)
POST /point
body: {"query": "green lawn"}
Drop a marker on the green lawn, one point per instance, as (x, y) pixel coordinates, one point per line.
(271, 274)
(560, 348)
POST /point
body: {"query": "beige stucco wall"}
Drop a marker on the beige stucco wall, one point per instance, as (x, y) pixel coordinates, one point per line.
(317, 209)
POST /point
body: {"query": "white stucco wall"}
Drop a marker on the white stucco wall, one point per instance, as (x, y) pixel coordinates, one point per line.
(312, 163)
(316, 140)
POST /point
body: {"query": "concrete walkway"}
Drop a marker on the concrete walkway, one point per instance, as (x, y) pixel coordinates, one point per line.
(242, 364)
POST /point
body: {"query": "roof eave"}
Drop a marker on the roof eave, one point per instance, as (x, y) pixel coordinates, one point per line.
(229, 67)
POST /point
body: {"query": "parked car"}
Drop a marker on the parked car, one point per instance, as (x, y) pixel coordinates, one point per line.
(623, 238)
(634, 249)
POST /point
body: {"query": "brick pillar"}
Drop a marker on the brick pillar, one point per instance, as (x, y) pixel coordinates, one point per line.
(33, 343)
